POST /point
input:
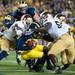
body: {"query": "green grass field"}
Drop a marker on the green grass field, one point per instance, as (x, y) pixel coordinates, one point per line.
(10, 67)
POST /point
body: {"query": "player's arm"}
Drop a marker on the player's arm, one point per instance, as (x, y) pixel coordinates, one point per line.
(43, 32)
(45, 28)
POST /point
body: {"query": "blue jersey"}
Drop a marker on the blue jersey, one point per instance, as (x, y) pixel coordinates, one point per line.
(16, 14)
(21, 41)
(30, 11)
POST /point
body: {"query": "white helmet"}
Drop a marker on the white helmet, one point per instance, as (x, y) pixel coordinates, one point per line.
(26, 20)
(59, 17)
(44, 16)
(8, 17)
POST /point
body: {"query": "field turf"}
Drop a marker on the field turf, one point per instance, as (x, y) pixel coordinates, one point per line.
(9, 66)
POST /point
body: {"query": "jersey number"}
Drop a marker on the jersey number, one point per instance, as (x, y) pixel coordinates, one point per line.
(58, 24)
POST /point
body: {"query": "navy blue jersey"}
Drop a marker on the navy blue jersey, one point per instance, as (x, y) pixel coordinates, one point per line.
(30, 11)
(16, 14)
(21, 41)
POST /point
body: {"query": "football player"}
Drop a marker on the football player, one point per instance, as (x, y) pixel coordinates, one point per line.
(60, 18)
(15, 15)
(24, 31)
(60, 32)
(10, 35)
(32, 12)
(34, 50)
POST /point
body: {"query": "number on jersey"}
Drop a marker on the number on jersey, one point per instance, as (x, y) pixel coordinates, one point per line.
(58, 24)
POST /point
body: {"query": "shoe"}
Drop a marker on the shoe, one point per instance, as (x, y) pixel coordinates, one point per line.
(58, 70)
(37, 69)
(65, 66)
(49, 67)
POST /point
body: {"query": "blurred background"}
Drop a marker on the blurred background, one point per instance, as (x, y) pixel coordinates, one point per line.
(67, 7)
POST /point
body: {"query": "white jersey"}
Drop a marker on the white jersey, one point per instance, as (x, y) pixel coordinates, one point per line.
(9, 34)
(17, 29)
(56, 30)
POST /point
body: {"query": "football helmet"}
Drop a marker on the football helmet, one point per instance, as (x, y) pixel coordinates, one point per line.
(26, 19)
(8, 17)
(60, 17)
(45, 17)
(22, 6)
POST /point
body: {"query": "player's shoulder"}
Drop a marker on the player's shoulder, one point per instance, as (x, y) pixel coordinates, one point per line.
(30, 10)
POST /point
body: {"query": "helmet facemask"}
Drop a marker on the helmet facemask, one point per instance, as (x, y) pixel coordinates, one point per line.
(22, 6)
(29, 21)
(60, 17)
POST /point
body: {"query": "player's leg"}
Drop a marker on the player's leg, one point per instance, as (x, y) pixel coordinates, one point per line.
(49, 65)
(38, 66)
(64, 60)
(24, 55)
(42, 55)
(70, 53)
(50, 59)
(4, 48)
(30, 55)
(18, 57)
(63, 57)
(35, 53)
(57, 48)
(29, 63)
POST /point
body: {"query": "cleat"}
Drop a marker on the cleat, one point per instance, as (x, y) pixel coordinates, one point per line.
(58, 70)
(65, 66)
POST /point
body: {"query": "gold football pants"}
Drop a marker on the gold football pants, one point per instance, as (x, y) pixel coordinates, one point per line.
(65, 43)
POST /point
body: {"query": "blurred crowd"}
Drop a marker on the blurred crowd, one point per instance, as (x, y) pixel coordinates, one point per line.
(66, 7)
